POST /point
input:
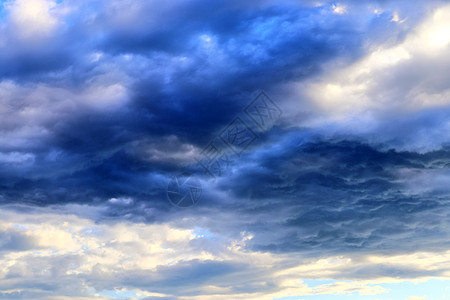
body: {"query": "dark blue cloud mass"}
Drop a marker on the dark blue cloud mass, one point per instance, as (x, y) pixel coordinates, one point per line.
(102, 103)
(169, 83)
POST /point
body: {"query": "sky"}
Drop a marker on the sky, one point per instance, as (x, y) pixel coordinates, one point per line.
(217, 150)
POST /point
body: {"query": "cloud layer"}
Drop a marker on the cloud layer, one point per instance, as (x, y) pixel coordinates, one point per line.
(102, 103)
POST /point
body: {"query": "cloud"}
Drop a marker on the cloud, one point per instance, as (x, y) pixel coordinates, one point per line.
(153, 260)
(396, 81)
(118, 126)
(83, 109)
(103, 102)
(72, 256)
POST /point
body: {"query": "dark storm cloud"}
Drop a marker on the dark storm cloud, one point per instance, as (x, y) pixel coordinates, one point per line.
(315, 194)
(325, 195)
(52, 85)
(102, 102)
(169, 83)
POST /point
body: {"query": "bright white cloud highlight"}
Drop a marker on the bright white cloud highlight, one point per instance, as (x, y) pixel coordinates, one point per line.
(47, 248)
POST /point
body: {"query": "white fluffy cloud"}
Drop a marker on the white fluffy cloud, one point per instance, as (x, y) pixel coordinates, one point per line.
(407, 76)
(77, 257)
(32, 19)
(392, 81)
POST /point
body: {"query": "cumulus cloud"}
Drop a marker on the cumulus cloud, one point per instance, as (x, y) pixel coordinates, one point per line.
(32, 19)
(396, 82)
(51, 253)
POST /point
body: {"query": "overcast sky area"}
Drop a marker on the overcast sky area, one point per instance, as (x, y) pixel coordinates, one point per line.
(224, 150)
